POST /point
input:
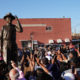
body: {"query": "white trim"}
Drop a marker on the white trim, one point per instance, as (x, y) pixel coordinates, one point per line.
(59, 40)
(33, 25)
(23, 40)
(51, 41)
(67, 40)
(35, 42)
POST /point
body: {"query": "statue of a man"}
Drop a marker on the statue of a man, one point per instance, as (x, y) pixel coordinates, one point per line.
(8, 38)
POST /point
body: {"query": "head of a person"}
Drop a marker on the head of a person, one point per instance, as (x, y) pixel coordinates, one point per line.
(26, 63)
(13, 74)
(59, 52)
(71, 55)
(45, 61)
(39, 72)
(49, 48)
(9, 18)
(54, 59)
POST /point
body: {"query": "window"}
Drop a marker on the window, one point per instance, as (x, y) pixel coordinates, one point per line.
(24, 44)
(49, 28)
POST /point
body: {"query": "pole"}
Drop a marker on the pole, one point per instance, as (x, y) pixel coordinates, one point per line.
(32, 44)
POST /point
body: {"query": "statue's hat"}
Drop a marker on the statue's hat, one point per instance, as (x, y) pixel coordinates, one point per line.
(9, 15)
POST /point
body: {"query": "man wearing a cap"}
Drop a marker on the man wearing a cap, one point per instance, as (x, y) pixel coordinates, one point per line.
(8, 38)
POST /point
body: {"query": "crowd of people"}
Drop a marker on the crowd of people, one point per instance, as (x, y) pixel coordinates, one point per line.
(43, 63)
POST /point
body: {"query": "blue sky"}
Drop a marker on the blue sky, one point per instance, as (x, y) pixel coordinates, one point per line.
(44, 9)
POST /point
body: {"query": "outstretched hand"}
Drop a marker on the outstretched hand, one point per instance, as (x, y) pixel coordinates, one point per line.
(13, 64)
(37, 59)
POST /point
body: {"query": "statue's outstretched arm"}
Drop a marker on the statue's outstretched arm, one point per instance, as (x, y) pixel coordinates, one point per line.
(18, 26)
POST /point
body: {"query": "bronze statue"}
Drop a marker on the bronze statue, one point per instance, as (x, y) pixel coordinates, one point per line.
(8, 38)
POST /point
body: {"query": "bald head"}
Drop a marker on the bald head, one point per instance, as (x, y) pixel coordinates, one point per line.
(13, 74)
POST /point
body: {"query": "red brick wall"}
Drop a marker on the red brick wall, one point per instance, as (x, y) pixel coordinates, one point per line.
(61, 28)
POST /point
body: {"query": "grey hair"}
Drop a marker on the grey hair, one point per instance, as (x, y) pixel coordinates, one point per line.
(14, 76)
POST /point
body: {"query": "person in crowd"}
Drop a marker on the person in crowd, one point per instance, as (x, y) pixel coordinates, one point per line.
(13, 74)
(60, 56)
(16, 72)
(26, 62)
(26, 52)
(36, 51)
(54, 67)
(71, 74)
(19, 54)
(50, 76)
(73, 57)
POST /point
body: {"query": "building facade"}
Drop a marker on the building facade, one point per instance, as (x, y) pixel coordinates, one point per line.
(43, 30)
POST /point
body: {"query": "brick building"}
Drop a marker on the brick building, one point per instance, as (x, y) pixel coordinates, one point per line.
(43, 30)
